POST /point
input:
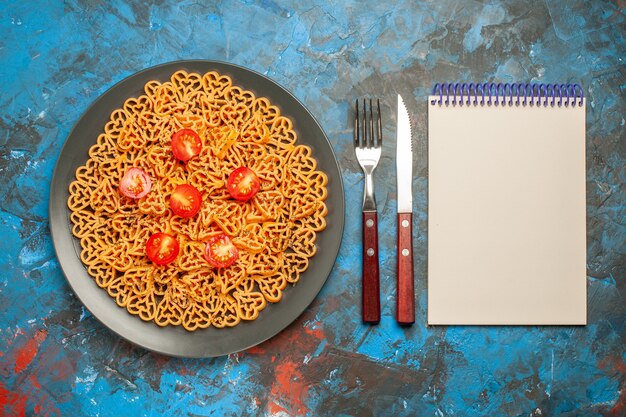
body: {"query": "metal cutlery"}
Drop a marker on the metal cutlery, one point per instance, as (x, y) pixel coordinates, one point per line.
(368, 140)
(405, 309)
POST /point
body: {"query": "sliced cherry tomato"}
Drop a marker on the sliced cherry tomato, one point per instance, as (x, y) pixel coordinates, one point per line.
(220, 251)
(185, 201)
(162, 248)
(243, 184)
(186, 144)
(135, 183)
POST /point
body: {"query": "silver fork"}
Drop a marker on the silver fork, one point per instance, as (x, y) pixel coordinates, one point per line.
(368, 141)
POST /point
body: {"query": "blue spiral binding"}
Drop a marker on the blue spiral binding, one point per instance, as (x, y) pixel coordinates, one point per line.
(515, 94)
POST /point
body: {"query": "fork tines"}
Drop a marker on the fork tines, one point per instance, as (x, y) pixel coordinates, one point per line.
(367, 136)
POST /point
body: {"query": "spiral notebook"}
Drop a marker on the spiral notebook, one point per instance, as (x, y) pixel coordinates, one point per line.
(506, 204)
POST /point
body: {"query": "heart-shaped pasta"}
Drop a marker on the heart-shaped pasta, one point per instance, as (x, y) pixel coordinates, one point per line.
(273, 232)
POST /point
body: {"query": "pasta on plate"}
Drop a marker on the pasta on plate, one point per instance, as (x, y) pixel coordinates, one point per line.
(273, 232)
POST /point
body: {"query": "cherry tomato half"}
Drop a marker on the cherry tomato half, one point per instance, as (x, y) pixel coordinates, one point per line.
(186, 144)
(135, 183)
(162, 248)
(185, 201)
(243, 184)
(220, 251)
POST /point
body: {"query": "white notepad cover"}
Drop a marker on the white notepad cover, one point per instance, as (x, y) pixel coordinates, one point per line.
(506, 214)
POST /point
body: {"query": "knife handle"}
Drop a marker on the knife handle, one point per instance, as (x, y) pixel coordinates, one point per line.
(405, 313)
(370, 285)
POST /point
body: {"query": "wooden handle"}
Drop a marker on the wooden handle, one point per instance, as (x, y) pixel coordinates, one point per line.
(371, 285)
(405, 313)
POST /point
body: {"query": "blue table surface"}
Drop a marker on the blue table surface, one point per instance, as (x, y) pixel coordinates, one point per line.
(57, 359)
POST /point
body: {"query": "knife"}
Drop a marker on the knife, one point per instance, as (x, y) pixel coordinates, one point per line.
(405, 309)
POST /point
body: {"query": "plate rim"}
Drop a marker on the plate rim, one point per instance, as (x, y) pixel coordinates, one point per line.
(56, 230)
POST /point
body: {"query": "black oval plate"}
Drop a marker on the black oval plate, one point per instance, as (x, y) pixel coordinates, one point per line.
(177, 341)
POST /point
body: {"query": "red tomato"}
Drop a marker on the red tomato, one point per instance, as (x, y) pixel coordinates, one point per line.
(220, 251)
(243, 184)
(162, 248)
(185, 201)
(135, 183)
(186, 144)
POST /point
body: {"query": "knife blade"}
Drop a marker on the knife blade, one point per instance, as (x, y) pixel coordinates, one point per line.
(405, 308)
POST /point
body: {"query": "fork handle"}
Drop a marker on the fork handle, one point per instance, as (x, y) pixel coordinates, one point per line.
(371, 285)
(405, 309)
